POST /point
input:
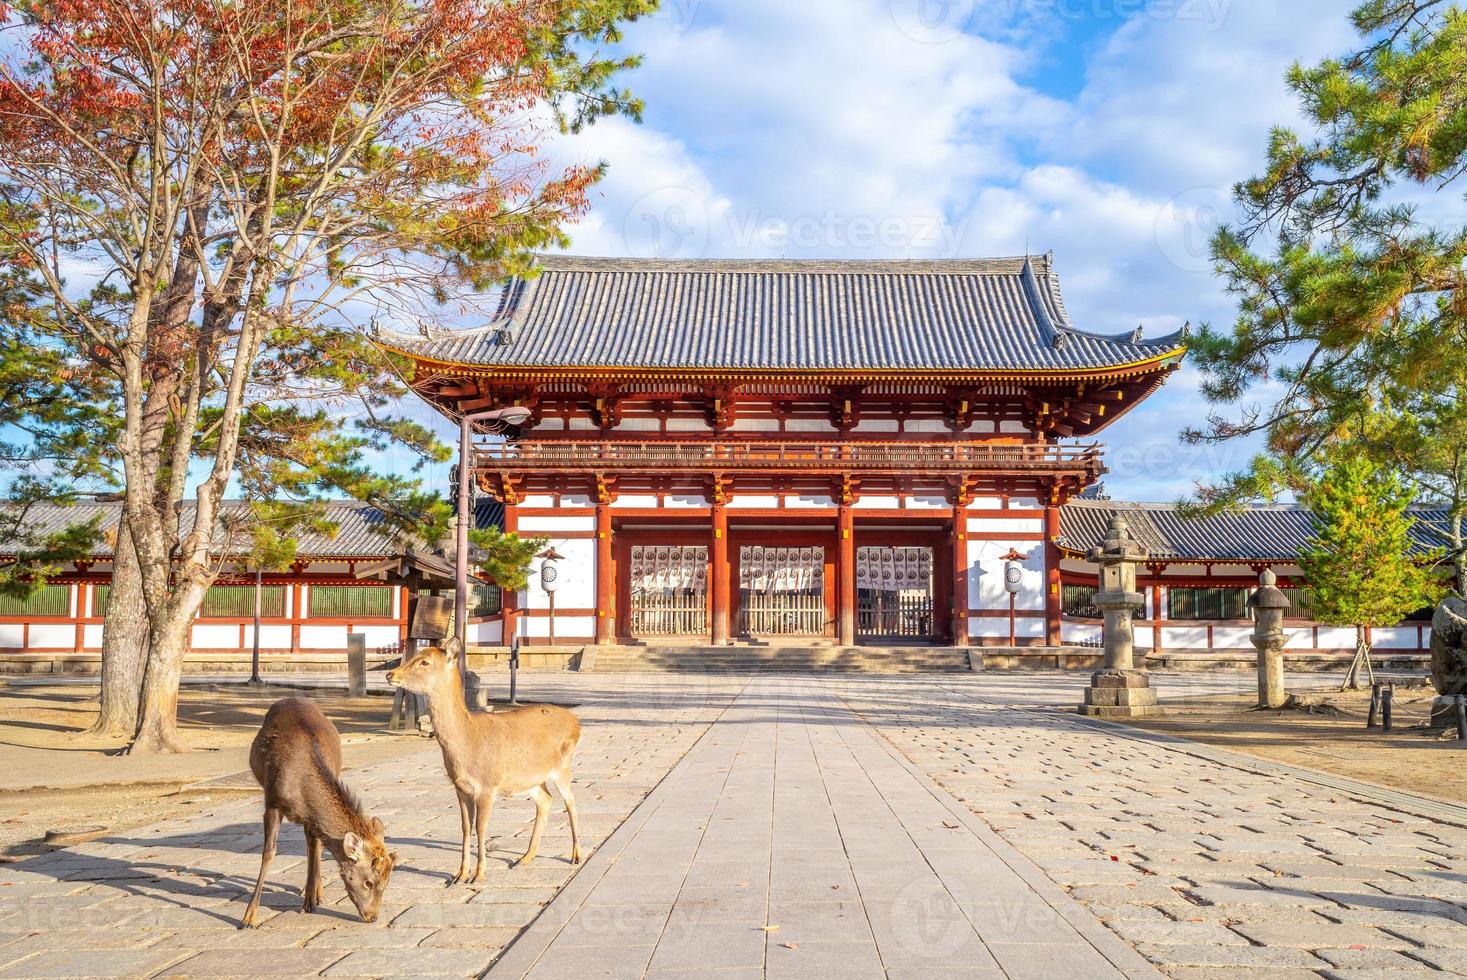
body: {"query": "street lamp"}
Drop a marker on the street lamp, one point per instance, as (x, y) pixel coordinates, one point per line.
(501, 419)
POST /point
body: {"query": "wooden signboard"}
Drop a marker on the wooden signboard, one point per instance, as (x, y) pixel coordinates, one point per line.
(433, 618)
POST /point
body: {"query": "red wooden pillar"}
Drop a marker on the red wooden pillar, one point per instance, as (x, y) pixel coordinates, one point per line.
(718, 553)
(960, 577)
(845, 606)
(1053, 595)
(510, 601)
(605, 578)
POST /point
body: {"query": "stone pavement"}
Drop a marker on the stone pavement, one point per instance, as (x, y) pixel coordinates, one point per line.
(1209, 868)
(938, 826)
(793, 842)
(166, 900)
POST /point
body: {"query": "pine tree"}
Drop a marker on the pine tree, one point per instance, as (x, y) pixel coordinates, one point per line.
(1362, 567)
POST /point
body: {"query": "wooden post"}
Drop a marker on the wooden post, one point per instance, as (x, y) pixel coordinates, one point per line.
(605, 578)
(718, 554)
(960, 577)
(1053, 596)
(510, 600)
(845, 615)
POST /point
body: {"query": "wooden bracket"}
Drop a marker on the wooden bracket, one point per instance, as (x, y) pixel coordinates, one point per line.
(720, 407)
(719, 488)
(605, 488)
(963, 488)
(845, 406)
(848, 491)
(606, 405)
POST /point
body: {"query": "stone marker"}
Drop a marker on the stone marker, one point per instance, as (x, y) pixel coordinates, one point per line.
(1120, 690)
(1268, 605)
(356, 665)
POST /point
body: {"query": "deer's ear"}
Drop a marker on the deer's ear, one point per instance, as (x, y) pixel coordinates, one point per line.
(377, 828)
(453, 647)
(351, 846)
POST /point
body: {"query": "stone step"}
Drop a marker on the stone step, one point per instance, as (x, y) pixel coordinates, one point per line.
(750, 658)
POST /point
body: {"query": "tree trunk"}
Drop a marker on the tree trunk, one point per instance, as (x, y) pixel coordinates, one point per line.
(157, 729)
(124, 643)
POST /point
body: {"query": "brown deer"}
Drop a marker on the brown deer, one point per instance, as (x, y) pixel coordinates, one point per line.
(296, 757)
(519, 752)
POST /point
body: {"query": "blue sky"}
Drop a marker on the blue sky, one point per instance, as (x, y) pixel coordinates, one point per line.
(1108, 131)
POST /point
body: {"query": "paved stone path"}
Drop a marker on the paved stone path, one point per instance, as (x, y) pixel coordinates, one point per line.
(166, 900)
(1209, 869)
(792, 842)
(937, 826)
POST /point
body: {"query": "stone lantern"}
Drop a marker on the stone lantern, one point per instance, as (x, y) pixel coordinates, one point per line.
(1267, 606)
(1119, 690)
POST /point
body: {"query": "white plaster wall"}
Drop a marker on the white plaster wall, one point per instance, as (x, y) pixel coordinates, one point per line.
(986, 503)
(990, 626)
(217, 636)
(549, 425)
(1337, 638)
(639, 425)
(273, 636)
(982, 425)
(808, 425)
(538, 500)
(12, 635)
(817, 500)
(1231, 638)
(754, 425)
(1394, 638)
(378, 636)
(925, 425)
(1184, 637)
(92, 636)
(1025, 503)
(575, 626)
(536, 524)
(1009, 425)
(1079, 632)
(876, 425)
(878, 503)
(674, 501)
(577, 576)
(1299, 638)
(1007, 525)
(985, 575)
(576, 500)
(927, 503)
(635, 500)
(581, 425)
(752, 501)
(1145, 639)
(323, 637)
(52, 635)
(491, 632)
(687, 425)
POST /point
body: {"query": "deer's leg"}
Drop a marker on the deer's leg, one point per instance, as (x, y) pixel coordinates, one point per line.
(562, 782)
(314, 892)
(267, 853)
(465, 813)
(542, 809)
(483, 806)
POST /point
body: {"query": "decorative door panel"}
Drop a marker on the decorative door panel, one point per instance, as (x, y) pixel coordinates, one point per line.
(894, 592)
(669, 590)
(782, 591)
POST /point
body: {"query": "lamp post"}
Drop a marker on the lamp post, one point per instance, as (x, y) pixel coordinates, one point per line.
(1119, 689)
(550, 581)
(502, 419)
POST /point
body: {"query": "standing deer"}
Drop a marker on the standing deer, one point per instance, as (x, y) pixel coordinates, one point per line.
(520, 752)
(296, 757)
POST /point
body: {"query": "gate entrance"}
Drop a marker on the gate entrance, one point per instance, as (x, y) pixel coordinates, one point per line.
(894, 592)
(669, 590)
(782, 591)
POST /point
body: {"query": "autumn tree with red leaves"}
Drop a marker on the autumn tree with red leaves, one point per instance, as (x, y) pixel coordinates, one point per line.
(212, 199)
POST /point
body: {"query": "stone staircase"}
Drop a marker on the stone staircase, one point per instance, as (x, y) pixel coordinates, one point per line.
(777, 658)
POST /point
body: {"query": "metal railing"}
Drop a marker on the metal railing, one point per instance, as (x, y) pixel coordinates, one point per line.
(762, 455)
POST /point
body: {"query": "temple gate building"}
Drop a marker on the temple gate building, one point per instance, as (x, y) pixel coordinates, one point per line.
(846, 451)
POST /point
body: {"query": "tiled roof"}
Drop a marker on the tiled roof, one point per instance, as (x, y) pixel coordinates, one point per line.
(971, 315)
(1264, 533)
(362, 530)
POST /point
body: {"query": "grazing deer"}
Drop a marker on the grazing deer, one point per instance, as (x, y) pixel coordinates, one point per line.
(519, 752)
(296, 757)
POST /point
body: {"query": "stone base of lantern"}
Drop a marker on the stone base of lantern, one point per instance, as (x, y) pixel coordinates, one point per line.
(1120, 694)
(1444, 712)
